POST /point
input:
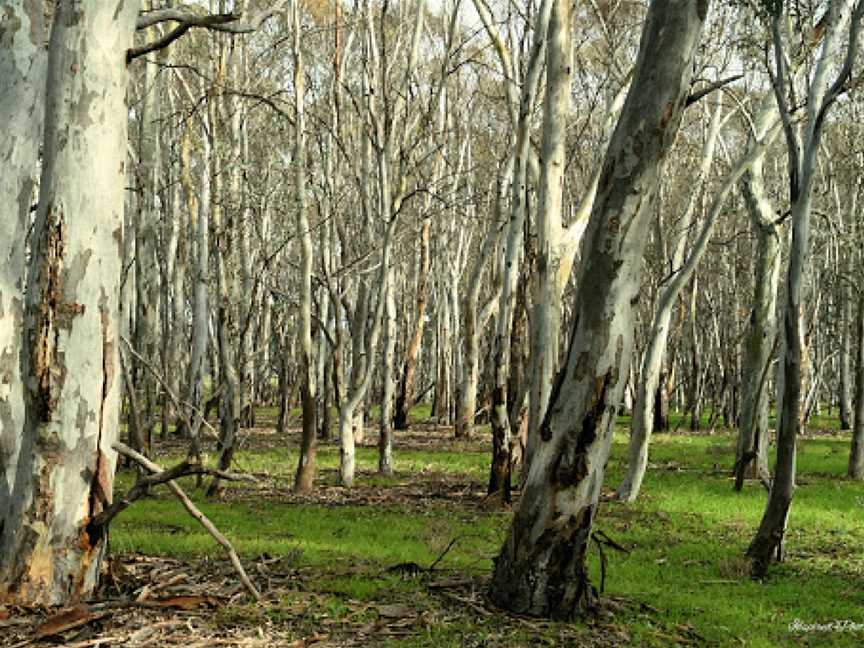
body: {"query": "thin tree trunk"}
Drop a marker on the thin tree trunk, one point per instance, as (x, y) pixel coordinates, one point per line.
(229, 405)
(305, 475)
(405, 398)
(802, 155)
(499, 473)
(856, 454)
(760, 342)
(546, 322)
(845, 347)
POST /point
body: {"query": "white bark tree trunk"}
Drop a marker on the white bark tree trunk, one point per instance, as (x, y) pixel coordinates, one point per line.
(48, 553)
(546, 323)
(22, 95)
(305, 475)
(642, 423)
(541, 569)
(499, 474)
(802, 147)
(760, 343)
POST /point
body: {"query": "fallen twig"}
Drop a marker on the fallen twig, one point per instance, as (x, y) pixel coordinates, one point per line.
(195, 513)
(184, 469)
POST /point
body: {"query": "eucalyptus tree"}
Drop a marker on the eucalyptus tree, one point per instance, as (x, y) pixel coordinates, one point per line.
(649, 375)
(541, 569)
(557, 244)
(759, 346)
(856, 454)
(50, 545)
(146, 231)
(65, 468)
(474, 318)
(802, 144)
(521, 111)
(306, 465)
(22, 88)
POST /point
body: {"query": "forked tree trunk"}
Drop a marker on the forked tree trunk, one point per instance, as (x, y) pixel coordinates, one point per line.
(752, 449)
(541, 569)
(802, 151)
(65, 471)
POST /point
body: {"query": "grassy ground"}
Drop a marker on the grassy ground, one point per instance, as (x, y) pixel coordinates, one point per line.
(682, 582)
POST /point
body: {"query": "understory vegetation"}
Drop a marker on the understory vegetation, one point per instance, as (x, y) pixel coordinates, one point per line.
(678, 576)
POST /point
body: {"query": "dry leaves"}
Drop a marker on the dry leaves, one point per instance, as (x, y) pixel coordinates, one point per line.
(67, 620)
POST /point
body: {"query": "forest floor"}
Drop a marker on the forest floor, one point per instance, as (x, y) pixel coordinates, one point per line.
(344, 567)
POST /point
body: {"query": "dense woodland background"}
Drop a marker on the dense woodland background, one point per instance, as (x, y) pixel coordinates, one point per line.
(505, 226)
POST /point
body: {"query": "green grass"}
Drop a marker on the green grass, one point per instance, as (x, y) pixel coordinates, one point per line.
(684, 578)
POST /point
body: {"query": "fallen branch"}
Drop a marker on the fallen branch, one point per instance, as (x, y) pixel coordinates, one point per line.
(194, 512)
(184, 469)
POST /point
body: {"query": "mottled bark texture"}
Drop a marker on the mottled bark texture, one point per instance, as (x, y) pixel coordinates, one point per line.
(541, 569)
(64, 472)
(22, 88)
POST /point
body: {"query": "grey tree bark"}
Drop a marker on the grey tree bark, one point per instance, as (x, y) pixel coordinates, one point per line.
(843, 25)
(65, 468)
(305, 475)
(759, 346)
(541, 569)
(499, 473)
(22, 94)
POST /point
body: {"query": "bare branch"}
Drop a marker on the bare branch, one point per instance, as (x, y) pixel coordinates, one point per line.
(188, 17)
(195, 513)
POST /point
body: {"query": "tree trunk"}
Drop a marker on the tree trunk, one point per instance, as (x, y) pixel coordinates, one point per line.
(405, 398)
(802, 153)
(856, 455)
(385, 439)
(22, 95)
(305, 475)
(759, 347)
(229, 404)
(655, 353)
(146, 263)
(541, 569)
(546, 320)
(198, 211)
(845, 347)
(499, 474)
(48, 554)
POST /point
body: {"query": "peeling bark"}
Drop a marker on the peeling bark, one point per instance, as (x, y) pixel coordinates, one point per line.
(541, 568)
(66, 464)
(22, 89)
